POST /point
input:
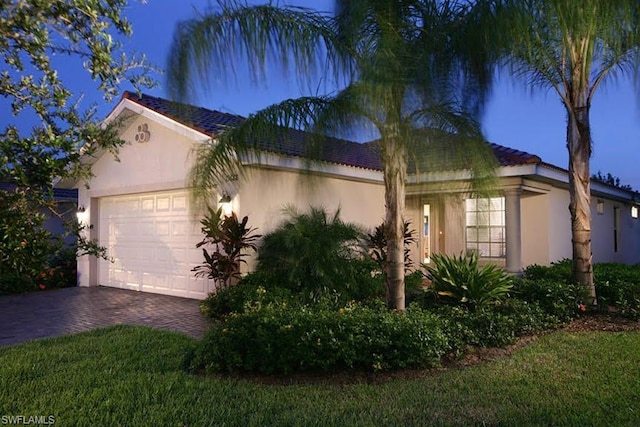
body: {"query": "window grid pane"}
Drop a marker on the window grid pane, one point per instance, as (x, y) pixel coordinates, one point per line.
(485, 227)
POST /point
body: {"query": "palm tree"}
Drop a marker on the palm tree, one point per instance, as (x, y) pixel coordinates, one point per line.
(572, 47)
(404, 71)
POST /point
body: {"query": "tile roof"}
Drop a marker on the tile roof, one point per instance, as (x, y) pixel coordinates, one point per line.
(333, 150)
(511, 157)
(59, 194)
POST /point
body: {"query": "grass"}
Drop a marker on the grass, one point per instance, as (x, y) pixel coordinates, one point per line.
(127, 375)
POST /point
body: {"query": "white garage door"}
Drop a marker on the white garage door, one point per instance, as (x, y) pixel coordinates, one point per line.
(151, 242)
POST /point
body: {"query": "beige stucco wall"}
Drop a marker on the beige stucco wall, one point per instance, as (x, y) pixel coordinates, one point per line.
(534, 211)
(559, 224)
(164, 161)
(266, 192)
(559, 229)
(161, 163)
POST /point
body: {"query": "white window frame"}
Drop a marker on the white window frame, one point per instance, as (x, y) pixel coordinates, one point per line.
(485, 227)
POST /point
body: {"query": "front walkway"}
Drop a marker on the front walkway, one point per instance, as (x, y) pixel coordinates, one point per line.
(66, 311)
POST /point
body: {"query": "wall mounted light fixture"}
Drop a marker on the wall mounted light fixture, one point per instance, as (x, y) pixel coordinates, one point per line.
(225, 205)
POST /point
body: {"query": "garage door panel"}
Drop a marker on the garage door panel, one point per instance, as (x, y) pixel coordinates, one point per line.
(151, 239)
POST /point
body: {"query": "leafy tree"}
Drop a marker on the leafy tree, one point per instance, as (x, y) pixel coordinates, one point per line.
(571, 47)
(32, 33)
(611, 180)
(408, 66)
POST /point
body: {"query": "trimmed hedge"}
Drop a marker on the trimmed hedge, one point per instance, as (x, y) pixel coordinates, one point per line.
(280, 339)
(560, 299)
(617, 285)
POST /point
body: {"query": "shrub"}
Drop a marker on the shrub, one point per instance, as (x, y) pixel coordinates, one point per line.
(279, 339)
(609, 272)
(252, 290)
(25, 246)
(459, 279)
(377, 244)
(624, 296)
(229, 238)
(559, 272)
(557, 298)
(315, 254)
(617, 286)
(493, 326)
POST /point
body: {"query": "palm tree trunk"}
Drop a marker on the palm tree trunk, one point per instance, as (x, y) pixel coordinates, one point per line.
(579, 146)
(395, 171)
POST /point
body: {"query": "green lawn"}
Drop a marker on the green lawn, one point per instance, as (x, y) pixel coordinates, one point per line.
(131, 376)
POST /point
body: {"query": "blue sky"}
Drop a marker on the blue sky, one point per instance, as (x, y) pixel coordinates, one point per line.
(515, 117)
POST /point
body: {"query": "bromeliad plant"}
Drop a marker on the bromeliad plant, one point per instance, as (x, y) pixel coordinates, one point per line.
(459, 279)
(229, 237)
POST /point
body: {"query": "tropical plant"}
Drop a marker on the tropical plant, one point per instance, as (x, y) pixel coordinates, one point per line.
(571, 47)
(377, 243)
(407, 67)
(230, 238)
(459, 279)
(315, 254)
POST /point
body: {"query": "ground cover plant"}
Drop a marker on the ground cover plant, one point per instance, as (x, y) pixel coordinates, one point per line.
(133, 376)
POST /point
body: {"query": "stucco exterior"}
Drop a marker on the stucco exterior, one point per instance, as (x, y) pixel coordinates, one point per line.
(153, 166)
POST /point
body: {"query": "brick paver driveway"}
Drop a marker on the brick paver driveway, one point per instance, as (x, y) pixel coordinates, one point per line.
(70, 310)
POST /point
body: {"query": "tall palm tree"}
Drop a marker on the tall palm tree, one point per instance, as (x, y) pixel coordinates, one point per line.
(571, 47)
(404, 67)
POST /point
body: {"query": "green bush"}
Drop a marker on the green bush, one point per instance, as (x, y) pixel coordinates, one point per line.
(493, 326)
(316, 254)
(624, 296)
(460, 280)
(617, 286)
(25, 246)
(276, 338)
(559, 272)
(252, 290)
(557, 298)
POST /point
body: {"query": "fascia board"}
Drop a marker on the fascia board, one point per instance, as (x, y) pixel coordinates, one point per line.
(275, 161)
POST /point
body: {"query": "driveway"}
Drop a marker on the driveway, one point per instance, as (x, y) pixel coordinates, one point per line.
(70, 310)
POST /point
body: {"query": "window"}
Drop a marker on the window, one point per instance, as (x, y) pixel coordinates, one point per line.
(634, 212)
(616, 226)
(426, 235)
(485, 229)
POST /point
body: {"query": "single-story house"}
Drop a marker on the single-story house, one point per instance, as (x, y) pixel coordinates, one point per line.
(139, 205)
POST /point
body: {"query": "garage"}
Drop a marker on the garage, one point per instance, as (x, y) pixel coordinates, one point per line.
(151, 241)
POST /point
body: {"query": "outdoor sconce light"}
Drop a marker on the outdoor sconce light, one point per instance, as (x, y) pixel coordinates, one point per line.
(600, 207)
(634, 212)
(225, 205)
(80, 213)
